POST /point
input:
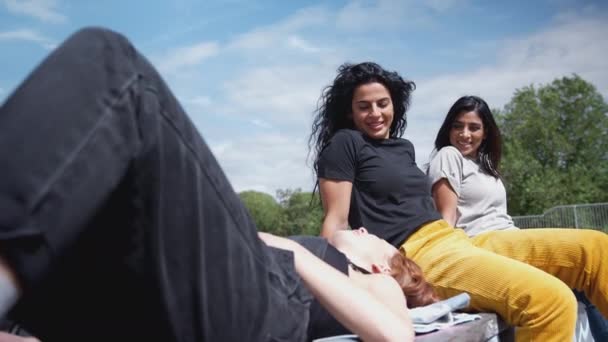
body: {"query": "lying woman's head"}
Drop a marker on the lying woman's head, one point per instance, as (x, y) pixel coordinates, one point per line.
(369, 252)
(408, 274)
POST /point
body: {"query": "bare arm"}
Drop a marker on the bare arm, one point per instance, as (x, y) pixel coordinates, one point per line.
(353, 306)
(9, 287)
(335, 196)
(446, 200)
(6, 337)
(388, 292)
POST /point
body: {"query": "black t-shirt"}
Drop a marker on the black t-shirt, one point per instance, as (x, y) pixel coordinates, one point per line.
(322, 323)
(391, 196)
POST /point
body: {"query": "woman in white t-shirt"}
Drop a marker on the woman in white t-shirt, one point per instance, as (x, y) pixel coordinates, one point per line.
(469, 193)
(467, 188)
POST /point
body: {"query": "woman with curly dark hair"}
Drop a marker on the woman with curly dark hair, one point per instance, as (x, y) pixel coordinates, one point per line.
(368, 177)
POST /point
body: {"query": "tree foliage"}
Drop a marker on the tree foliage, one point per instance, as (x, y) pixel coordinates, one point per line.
(264, 209)
(303, 213)
(293, 212)
(555, 146)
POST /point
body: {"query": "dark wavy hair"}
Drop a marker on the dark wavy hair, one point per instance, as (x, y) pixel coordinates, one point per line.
(335, 104)
(490, 150)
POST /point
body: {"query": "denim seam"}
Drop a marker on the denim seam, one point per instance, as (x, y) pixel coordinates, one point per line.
(199, 162)
(52, 180)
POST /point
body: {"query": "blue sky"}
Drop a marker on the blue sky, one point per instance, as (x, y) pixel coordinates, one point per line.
(249, 72)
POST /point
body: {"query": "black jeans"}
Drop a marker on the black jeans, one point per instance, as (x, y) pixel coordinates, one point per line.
(597, 323)
(117, 218)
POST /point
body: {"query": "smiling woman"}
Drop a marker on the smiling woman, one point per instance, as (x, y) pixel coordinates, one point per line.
(469, 192)
(368, 178)
(372, 110)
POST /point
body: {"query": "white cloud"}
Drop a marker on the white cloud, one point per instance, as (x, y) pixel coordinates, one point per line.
(279, 94)
(44, 10)
(298, 43)
(360, 15)
(203, 101)
(576, 45)
(28, 35)
(265, 162)
(261, 123)
(186, 56)
(270, 36)
(444, 5)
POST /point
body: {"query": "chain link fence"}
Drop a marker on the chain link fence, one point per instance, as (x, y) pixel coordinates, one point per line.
(592, 216)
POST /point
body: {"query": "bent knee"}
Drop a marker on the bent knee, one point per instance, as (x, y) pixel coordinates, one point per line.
(97, 36)
(553, 302)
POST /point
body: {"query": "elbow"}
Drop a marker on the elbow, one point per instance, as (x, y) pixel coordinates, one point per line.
(451, 220)
(449, 216)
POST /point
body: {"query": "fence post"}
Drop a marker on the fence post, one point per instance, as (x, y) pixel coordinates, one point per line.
(575, 217)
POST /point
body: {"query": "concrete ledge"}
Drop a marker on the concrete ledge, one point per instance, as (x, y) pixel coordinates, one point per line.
(484, 329)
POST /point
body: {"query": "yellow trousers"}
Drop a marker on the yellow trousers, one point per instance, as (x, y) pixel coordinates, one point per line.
(525, 276)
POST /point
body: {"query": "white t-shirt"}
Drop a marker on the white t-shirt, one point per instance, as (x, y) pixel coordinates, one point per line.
(482, 198)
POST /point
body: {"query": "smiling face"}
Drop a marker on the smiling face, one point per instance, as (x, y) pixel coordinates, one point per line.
(467, 133)
(364, 249)
(372, 110)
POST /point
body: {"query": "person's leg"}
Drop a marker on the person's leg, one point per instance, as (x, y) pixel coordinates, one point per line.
(576, 256)
(541, 306)
(597, 323)
(112, 205)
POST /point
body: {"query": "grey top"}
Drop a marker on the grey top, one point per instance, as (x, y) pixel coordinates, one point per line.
(482, 199)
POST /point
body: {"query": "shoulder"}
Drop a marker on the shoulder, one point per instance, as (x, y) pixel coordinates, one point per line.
(404, 143)
(386, 289)
(446, 163)
(348, 135)
(345, 139)
(449, 152)
(383, 285)
(446, 157)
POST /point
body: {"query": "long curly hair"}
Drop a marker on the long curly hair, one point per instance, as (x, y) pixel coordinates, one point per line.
(490, 150)
(417, 291)
(335, 104)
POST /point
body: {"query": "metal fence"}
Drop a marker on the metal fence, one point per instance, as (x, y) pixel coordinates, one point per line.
(593, 216)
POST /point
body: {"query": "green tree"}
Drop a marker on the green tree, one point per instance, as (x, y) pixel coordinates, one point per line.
(302, 212)
(555, 146)
(266, 212)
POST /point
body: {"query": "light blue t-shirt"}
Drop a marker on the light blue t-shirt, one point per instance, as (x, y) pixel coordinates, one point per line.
(482, 198)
